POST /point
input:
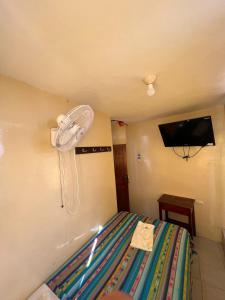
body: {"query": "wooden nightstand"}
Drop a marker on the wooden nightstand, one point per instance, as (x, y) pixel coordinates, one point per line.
(179, 205)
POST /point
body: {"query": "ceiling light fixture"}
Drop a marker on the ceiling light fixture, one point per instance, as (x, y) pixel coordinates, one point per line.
(149, 80)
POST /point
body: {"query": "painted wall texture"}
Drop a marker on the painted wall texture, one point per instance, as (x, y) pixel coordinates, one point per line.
(37, 235)
(160, 171)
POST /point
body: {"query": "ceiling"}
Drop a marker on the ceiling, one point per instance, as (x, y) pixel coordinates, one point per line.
(97, 52)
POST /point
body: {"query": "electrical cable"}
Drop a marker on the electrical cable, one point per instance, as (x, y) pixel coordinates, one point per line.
(61, 179)
(184, 156)
(193, 155)
(177, 153)
(188, 152)
(73, 201)
(69, 199)
(184, 151)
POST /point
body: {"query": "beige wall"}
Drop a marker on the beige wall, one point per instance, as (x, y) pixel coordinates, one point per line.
(161, 171)
(119, 134)
(37, 235)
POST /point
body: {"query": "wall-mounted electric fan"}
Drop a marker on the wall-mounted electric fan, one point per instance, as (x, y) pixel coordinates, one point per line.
(71, 128)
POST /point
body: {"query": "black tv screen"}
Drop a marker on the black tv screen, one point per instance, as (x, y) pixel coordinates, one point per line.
(192, 132)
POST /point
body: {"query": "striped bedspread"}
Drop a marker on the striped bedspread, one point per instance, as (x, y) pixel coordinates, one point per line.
(107, 262)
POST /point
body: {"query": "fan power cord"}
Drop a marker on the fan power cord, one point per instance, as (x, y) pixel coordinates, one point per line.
(61, 172)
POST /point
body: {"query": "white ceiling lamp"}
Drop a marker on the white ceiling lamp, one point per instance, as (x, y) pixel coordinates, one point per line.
(149, 80)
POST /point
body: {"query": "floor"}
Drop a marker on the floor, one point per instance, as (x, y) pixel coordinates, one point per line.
(208, 270)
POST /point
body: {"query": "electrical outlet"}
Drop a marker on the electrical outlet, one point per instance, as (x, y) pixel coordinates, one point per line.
(138, 156)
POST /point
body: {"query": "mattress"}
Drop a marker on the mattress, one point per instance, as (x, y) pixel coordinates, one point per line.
(107, 262)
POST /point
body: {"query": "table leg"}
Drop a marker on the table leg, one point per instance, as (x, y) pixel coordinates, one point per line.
(190, 225)
(166, 214)
(160, 212)
(193, 219)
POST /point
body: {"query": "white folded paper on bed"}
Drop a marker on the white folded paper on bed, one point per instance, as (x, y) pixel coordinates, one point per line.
(43, 293)
(143, 236)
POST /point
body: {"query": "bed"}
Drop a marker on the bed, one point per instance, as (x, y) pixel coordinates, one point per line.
(107, 262)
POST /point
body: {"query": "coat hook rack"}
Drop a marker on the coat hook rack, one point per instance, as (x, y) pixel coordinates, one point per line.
(94, 149)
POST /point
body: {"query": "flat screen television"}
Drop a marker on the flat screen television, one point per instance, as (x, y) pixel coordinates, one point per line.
(192, 132)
